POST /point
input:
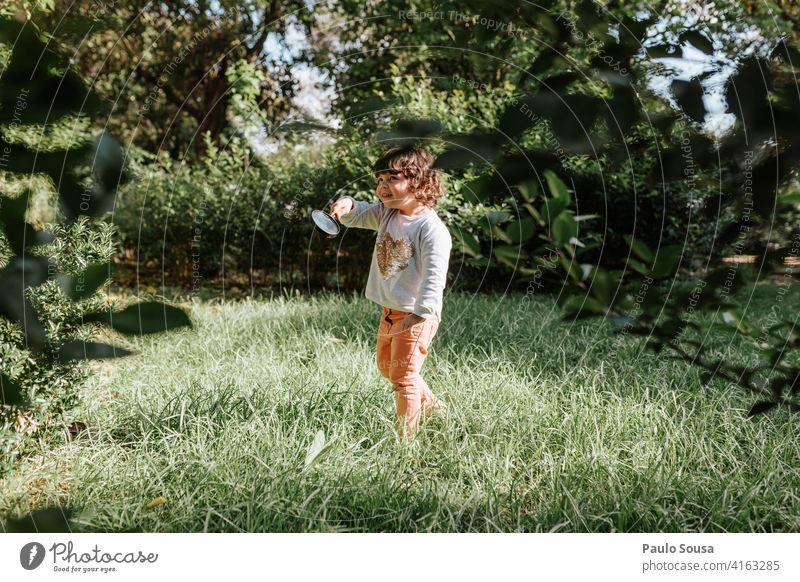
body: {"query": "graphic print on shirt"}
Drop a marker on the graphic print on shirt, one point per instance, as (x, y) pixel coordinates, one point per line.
(393, 255)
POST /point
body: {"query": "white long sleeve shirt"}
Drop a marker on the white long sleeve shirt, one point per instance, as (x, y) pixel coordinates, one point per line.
(410, 259)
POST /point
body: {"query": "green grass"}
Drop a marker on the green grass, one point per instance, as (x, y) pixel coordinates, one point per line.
(554, 427)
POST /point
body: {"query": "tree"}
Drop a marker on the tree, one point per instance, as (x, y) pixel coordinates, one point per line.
(168, 67)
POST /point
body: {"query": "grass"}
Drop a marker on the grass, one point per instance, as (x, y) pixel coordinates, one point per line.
(555, 426)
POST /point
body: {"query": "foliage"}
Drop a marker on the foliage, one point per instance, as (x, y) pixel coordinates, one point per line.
(463, 64)
(167, 66)
(750, 167)
(48, 381)
(194, 221)
(51, 273)
(454, 62)
(228, 216)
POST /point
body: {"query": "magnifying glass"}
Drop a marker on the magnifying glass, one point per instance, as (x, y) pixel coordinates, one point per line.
(325, 223)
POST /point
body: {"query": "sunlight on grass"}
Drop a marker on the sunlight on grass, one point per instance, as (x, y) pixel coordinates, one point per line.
(553, 426)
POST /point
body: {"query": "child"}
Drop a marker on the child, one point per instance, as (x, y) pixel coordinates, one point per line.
(408, 272)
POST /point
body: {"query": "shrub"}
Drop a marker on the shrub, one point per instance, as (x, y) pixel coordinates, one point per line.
(50, 274)
(49, 381)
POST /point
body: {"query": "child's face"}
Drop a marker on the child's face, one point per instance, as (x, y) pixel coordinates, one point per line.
(395, 191)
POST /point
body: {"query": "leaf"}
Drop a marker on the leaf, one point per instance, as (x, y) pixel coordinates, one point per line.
(142, 318)
(20, 274)
(499, 233)
(85, 284)
(368, 106)
(108, 163)
(36, 72)
(565, 227)
(556, 186)
(19, 233)
(521, 231)
(497, 217)
(571, 267)
(552, 209)
(602, 286)
(407, 132)
(574, 241)
(747, 93)
(529, 190)
(469, 243)
(11, 393)
(666, 261)
(761, 407)
(457, 159)
(305, 126)
(314, 450)
(793, 198)
(479, 262)
(662, 51)
(640, 249)
(638, 267)
(477, 190)
(80, 350)
(48, 520)
(156, 502)
(698, 40)
(580, 307)
(689, 95)
(508, 255)
(583, 217)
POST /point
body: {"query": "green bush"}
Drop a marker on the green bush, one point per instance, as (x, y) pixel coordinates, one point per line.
(54, 249)
(237, 214)
(247, 217)
(229, 215)
(49, 381)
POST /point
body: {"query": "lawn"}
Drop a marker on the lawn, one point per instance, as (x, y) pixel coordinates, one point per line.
(554, 426)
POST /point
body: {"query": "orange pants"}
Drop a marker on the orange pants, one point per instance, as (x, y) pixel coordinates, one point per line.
(400, 357)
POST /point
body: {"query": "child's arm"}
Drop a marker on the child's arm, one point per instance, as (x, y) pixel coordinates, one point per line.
(360, 215)
(435, 246)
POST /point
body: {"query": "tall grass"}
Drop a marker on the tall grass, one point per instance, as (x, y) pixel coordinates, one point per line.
(554, 426)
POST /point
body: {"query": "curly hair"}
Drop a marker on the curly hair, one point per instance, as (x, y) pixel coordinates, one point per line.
(416, 164)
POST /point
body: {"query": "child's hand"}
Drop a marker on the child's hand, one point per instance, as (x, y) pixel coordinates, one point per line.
(341, 206)
(410, 321)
